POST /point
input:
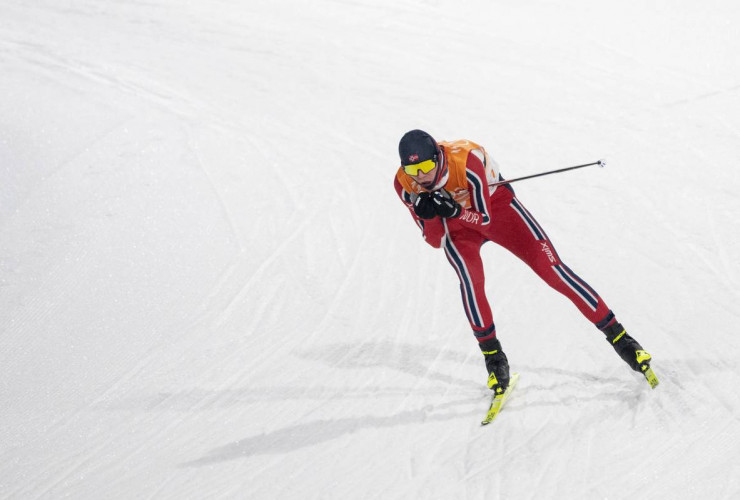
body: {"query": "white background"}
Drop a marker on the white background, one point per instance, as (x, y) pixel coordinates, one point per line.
(208, 287)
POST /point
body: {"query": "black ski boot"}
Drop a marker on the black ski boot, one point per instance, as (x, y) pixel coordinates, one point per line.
(627, 348)
(496, 364)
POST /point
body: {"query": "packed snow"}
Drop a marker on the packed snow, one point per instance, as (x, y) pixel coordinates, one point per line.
(209, 288)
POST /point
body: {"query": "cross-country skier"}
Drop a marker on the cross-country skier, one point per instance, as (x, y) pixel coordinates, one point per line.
(446, 187)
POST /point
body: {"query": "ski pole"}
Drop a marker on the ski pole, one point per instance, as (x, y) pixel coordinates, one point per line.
(600, 163)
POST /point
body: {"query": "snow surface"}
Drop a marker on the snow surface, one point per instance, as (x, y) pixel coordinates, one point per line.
(208, 287)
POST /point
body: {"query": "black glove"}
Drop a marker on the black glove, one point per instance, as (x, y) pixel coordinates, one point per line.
(423, 206)
(445, 205)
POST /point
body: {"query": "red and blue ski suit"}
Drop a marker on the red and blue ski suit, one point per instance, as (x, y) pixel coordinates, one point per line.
(492, 213)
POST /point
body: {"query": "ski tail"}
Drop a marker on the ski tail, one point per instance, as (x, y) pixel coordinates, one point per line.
(651, 378)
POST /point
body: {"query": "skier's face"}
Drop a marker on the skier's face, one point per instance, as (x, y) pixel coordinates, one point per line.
(426, 180)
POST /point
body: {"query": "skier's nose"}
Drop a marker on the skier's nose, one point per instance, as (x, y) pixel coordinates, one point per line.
(428, 176)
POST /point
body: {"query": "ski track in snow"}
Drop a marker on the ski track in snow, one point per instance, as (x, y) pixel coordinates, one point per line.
(208, 287)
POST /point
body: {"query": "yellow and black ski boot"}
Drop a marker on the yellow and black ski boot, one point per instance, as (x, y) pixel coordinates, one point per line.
(631, 351)
(496, 364)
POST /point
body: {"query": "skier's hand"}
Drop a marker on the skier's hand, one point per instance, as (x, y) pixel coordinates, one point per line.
(423, 206)
(445, 205)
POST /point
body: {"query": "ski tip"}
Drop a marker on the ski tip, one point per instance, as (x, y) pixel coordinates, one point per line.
(602, 163)
(498, 401)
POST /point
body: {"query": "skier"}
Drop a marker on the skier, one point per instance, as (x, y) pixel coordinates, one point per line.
(446, 187)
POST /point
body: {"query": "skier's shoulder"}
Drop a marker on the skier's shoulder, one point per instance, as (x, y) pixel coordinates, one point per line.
(460, 146)
(470, 158)
(464, 154)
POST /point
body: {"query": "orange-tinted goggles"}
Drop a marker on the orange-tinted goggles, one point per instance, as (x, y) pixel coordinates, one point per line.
(425, 166)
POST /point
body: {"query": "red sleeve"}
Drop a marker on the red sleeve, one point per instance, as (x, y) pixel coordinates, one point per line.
(478, 215)
(432, 229)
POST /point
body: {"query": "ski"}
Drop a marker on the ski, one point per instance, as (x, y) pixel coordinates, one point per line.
(651, 378)
(498, 400)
